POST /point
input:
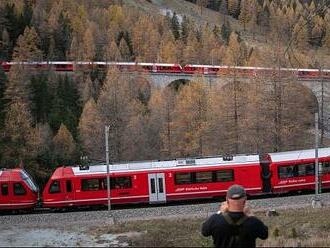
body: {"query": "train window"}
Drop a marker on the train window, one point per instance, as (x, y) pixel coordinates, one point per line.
(4, 189)
(90, 184)
(224, 175)
(301, 170)
(55, 187)
(68, 186)
(204, 177)
(120, 183)
(309, 169)
(29, 181)
(153, 186)
(183, 178)
(326, 167)
(286, 171)
(161, 186)
(19, 189)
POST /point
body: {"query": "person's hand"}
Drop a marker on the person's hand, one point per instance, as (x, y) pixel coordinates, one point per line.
(224, 207)
(247, 211)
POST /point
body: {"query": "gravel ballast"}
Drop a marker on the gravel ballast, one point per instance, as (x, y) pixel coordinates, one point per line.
(72, 228)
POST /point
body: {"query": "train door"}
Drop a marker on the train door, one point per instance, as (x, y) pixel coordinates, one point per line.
(69, 191)
(157, 191)
(5, 199)
(266, 175)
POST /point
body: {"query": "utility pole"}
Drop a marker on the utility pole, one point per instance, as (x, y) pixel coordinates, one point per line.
(316, 202)
(108, 164)
(322, 107)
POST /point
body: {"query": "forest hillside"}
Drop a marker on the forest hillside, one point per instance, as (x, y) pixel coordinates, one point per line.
(49, 119)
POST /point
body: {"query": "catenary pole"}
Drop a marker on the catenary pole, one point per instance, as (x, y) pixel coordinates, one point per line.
(108, 164)
(317, 201)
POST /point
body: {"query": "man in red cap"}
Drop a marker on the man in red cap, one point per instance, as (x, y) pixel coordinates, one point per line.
(232, 226)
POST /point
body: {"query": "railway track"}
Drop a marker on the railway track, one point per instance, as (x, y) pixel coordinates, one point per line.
(137, 212)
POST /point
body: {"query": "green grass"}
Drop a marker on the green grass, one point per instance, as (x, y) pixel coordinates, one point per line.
(302, 227)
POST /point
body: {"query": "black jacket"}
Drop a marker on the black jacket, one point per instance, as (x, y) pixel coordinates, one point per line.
(222, 232)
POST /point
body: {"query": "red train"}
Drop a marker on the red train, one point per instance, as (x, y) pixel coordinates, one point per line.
(18, 191)
(164, 181)
(239, 71)
(182, 179)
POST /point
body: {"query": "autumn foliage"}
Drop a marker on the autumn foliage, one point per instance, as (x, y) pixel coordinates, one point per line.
(49, 119)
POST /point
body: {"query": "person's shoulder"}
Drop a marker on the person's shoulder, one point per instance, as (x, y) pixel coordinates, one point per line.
(254, 220)
(216, 215)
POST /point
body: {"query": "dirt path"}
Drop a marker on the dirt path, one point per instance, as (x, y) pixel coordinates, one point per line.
(48, 235)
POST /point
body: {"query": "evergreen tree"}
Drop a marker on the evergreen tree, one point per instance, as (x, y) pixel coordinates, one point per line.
(263, 18)
(5, 46)
(125, 53)
(41, 98)
(14, 25)
(3, 82)
(175, 26)
(65, 106)
(214, 4)
(185, 28)
(224, 7)
(62, 36)
(226, 31)
(233, 8)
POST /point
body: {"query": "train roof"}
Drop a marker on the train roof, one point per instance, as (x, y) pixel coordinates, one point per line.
(170, 164)
(13, 174)
(299, 155)
(158, 165)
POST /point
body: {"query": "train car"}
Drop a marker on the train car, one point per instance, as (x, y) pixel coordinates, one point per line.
(295, 170)
(62, 66)
(201, 69)
(18, 191)
(5, 66)
(308, 73)
(152, 181)
(167, 68)
(313, 74)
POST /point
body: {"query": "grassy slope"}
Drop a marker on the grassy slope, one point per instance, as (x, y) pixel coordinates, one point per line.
(302, 227)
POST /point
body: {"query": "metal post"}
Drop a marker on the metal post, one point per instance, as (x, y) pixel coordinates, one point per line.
(316, 201)
(108, 164)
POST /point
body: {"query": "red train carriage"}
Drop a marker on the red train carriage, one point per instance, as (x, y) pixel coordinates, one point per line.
(18, 191)
(295, 170)
(5, 66)
(201, 69)
(153, 181)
